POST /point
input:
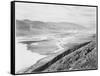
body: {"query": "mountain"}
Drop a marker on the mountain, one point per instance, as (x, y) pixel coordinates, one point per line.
(28, 27)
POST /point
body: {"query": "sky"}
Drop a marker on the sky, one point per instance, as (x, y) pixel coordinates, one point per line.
(85, 16)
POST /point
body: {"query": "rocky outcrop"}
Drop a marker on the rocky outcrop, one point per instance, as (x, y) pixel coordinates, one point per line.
(84, 58)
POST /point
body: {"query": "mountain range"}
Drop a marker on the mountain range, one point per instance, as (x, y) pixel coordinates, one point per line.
(28, 27)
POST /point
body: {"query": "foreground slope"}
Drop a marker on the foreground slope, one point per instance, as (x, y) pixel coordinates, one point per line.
(84, 58)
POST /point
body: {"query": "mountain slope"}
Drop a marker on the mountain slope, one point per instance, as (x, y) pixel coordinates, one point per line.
(82, 59)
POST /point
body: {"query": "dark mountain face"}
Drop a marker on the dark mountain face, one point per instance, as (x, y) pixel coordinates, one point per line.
(27, 27)
(22, 25)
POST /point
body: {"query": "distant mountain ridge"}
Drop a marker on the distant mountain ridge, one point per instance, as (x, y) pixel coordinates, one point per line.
(25, 27)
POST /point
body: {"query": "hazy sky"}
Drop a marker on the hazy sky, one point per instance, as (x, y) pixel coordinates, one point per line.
(85, 16)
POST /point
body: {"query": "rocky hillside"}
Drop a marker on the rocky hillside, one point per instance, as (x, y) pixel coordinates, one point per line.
(79, 57)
